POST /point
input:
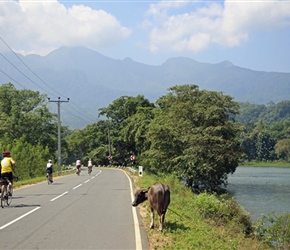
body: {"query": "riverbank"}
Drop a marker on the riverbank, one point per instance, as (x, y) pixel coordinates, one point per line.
(197, 221)
(280, 164)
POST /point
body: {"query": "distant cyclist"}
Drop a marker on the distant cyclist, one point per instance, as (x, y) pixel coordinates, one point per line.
(49, 170)
(7, 164)
(90, 166)
(78, 166)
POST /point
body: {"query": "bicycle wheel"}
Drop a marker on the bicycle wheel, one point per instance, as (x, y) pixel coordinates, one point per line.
(49, 179)
(9, 195)
(3, 194)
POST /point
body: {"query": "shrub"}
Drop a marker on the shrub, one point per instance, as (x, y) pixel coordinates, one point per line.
(222, 210)
(274, 230)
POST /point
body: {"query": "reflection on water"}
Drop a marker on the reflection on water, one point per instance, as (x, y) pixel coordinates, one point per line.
(261, 190)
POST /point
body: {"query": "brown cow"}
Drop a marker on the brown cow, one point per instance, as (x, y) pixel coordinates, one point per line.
(158, 196)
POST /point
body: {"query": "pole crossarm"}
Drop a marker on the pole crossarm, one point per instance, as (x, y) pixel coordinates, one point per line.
(59, 126)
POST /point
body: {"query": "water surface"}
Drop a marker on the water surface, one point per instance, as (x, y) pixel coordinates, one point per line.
(261, 190)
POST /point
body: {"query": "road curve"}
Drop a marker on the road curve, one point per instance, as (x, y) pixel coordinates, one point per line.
(76, 212)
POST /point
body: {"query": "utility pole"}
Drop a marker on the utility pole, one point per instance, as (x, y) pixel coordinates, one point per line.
(59, 133)
(109, 141)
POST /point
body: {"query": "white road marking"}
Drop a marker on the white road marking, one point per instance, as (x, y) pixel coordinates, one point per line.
(96, 174)
(59, 196)
(77, 186)
(19, 218)
(135, 218)
(22, 216)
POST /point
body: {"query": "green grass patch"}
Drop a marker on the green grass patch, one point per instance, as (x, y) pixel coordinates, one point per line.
(281, 164)
(39, 179)
(203, 221)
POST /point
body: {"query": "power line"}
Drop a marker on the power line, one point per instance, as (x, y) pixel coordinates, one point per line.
(22, 72)
(28, 68)
(83, 111)
(12, 78)
(81, 118)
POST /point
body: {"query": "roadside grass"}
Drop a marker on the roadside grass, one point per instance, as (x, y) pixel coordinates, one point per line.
(281, 164)
(197, 222)
(39, 179)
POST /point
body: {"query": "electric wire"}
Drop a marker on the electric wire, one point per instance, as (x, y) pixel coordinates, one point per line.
(25, 88)
(12, 78)
(23, 73)
(82, 113)
(27, 68)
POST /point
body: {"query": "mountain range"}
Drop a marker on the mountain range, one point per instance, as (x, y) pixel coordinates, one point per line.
(92, 80)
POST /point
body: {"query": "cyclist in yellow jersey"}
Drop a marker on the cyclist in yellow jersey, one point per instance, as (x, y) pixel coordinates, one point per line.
(7, 164)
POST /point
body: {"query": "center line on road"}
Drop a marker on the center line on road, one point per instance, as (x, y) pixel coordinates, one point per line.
(59, 196)
(19, 218)
(87, 181)
(77, 186)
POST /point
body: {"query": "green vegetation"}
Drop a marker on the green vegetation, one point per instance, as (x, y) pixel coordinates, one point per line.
(30, 181)
(204, 221)
(281, 164)
(196, 135)
(265, 131)
(189, 132)
(274, 230)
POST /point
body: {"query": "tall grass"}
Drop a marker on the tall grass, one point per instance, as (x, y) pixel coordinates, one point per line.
(204, 221)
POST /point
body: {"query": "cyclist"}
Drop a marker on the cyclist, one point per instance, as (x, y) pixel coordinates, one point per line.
(78, 166)
(90, 166)
(7, 164)
(49, 170)
(0, 165)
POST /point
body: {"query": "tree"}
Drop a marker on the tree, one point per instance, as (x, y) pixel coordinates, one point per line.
(27, 129)
(24, 113)
(89, 142)
(121, 114)
(282, 149)
(193, 135)
(264, 146)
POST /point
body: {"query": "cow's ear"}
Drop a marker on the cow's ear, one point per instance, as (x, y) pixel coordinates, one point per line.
(146, 192)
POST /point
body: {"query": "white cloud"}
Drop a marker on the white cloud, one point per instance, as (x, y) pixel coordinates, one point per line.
(227, 24)
(41, 26)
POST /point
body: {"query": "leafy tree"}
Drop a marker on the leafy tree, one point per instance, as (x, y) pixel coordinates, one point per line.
(24, 113)
(276, 112)
(27, 129)
(280, 130)
(135, 128)
(30, 159)
(282, 149)
(192, 135)
(264, 146)
(249, 148)
(249, 113)
(120, 119)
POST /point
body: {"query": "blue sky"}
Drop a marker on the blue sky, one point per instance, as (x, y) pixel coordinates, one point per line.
(250, 34)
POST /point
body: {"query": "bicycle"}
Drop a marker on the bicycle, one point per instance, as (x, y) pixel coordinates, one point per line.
(6, 192)
(49, 178)
(78, 170)
(90, 170)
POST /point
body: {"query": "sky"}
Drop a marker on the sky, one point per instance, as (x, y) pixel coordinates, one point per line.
(250, 34)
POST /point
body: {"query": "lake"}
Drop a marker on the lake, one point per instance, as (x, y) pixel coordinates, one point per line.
(261, 190)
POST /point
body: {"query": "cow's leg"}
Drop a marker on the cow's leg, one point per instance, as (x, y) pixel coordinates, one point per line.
(161, 221)
(152, 218)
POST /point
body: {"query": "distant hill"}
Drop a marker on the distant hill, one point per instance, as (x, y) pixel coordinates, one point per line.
(93, 80)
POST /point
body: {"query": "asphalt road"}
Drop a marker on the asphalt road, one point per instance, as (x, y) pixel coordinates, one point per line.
(76, 212)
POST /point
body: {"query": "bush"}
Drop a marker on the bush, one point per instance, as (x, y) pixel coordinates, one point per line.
(222, 210)
(274, 230)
